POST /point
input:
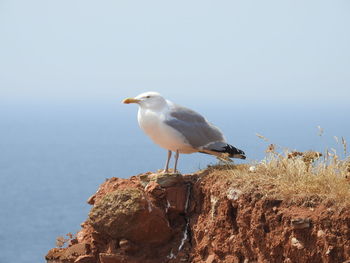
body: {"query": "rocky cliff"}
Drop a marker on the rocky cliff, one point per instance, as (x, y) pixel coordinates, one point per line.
(203, 217)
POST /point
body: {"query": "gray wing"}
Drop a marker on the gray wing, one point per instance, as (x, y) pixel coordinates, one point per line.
(194, 127)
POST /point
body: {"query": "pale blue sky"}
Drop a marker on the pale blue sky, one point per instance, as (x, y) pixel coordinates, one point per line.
(242, 51)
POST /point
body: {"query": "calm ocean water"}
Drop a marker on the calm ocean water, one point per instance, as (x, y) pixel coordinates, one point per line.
(53, 157)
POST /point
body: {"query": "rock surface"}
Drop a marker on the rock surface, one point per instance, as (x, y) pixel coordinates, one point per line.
(128, 213)
(202, 217)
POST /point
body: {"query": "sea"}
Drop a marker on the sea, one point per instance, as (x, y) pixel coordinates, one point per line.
(54, 156)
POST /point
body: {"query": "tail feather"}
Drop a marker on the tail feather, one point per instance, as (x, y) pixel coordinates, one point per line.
(222, 150)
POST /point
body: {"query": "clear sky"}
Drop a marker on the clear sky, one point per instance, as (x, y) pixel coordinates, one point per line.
(242, 51)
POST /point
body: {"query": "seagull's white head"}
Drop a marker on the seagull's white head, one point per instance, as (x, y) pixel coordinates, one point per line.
(150, 100)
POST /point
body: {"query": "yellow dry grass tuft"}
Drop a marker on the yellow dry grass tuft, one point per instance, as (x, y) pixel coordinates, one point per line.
(305, 178)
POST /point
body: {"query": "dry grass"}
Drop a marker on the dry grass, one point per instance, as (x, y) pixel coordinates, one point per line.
(307, 178)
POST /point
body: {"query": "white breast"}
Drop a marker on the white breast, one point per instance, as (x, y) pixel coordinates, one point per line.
(152, 123)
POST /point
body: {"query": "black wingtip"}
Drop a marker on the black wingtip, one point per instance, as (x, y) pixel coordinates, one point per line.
(243, 157)
(225, 148)
(234, 152)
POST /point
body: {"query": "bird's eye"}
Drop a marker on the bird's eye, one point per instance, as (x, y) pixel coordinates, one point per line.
(148, 97)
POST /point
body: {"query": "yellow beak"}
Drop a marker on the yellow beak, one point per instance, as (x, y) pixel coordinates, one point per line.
(130, 100)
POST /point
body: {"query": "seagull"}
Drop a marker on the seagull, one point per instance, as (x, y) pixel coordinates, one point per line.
(179, 129)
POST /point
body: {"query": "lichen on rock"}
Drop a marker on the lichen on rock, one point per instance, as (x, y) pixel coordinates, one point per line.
(125, 213)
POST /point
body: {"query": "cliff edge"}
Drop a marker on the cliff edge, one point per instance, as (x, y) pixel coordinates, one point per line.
(204, 217)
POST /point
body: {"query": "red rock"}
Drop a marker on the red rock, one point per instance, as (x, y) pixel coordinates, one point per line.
(111, 258)
(115, 258)
(69, 254)
(85, 259)
(177, 196)
(127, 213)
(155, 190)
(210, 259)
(129, 223)
(111, 185)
